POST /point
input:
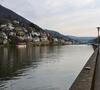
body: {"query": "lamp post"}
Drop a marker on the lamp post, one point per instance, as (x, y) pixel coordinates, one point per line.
(98, 28)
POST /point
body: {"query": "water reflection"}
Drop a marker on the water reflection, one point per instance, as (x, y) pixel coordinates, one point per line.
(13, 59)
(32, 66)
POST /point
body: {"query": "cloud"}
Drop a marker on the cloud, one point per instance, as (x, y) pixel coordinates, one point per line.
(67, 16)
(81, 21)
(81, 3)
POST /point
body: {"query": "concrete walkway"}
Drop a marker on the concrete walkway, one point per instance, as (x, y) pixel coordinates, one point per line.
(89, 78)
(97, 74)
(85, 79)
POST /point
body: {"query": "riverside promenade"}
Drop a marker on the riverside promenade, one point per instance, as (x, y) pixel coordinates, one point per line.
(89, 77)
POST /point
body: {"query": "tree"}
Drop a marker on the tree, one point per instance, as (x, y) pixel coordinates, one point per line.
(30, 29)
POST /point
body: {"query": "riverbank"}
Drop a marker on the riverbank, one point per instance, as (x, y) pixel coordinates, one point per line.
(85, 79)
(33, 45)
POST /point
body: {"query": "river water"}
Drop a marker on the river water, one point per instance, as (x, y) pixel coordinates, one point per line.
(41, 68)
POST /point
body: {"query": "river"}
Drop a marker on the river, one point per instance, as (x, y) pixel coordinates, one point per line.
(41, 68)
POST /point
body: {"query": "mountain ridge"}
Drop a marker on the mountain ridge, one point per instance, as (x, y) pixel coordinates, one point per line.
(84, 39)
(11, 15)
(14, 27)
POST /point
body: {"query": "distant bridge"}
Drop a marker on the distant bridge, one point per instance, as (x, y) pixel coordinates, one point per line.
(89, 77)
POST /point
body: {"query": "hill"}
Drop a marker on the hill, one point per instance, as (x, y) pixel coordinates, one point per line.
(82, 40)
(8, 15)
(15, 30)
(75, 39)
(57, 34)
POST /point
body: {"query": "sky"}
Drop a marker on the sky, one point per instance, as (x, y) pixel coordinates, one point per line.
(69, 17)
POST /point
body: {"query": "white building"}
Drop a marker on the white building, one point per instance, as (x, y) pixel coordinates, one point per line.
(35, 33)
(20, 38)
(12, 34)
(10, 26)
(62, 41)
(36, 39)
(28, 37)
(3, 38)
(16, 22)
(25, 30)
(5, 41)
(4, 35)
(55, 39)
(3, 25)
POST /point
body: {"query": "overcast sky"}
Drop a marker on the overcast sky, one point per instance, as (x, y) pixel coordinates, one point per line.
(70, 17)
